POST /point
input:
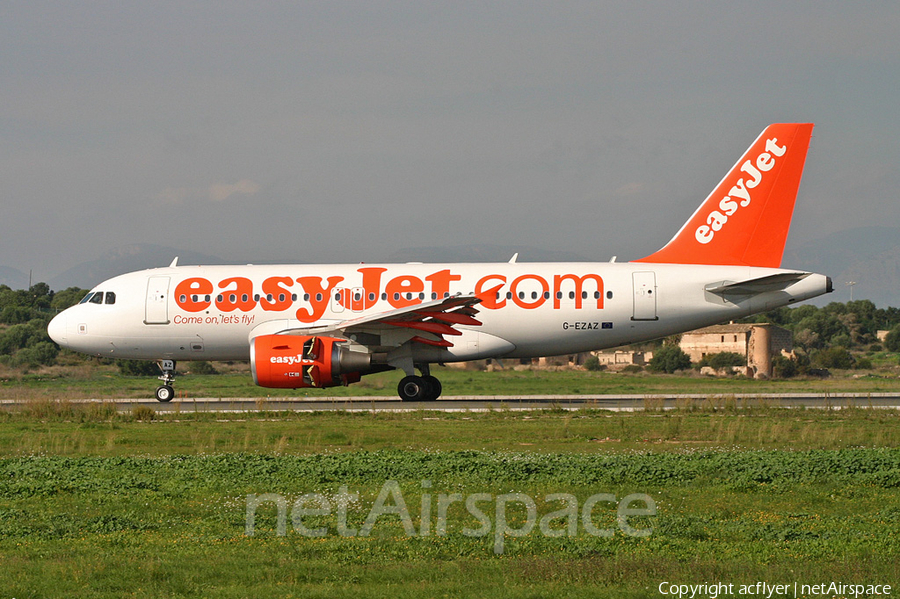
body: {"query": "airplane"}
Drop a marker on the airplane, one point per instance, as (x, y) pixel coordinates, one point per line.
(304, 326)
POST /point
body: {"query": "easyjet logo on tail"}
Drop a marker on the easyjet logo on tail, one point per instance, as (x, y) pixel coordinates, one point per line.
(740, 194)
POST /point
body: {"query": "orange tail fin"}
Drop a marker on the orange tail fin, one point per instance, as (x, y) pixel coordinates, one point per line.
(745, 220)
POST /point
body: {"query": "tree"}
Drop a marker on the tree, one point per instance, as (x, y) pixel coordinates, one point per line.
(593, 364)
(669, 358)
(892, 341)
(66, 298)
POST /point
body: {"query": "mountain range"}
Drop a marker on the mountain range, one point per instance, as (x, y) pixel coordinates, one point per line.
(867, 257)
(124, 259)
(13, 278)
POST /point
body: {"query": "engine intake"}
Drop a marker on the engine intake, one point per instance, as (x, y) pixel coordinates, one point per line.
(296, 361)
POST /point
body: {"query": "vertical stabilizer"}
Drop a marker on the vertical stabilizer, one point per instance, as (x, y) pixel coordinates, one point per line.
(745, 220)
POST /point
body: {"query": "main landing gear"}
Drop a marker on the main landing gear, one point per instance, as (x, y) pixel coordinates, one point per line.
(419, 388)
(165, 392)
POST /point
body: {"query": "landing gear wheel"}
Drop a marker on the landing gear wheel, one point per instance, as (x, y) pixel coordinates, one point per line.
(412, 388)
(434, 388)
(165, 393)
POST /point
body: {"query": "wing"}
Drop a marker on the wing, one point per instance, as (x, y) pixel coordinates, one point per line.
(428, 323)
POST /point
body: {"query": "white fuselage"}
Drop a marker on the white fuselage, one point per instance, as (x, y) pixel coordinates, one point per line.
(527, 309)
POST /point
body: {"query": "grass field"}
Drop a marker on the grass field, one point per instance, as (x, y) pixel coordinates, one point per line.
(99, 504)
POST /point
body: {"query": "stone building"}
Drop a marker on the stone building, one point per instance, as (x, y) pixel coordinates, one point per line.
(758, 342)
(621, 358)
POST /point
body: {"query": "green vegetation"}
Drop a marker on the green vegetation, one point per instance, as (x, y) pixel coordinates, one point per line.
(669, 358)
(97, 504)
(840, 335)
(725, 359)
(24, 315)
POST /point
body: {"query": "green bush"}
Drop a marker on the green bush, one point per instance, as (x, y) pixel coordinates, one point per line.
(41, 353)
(27, 344)
(783, 368)
(593, 364)
(138, 368)
(725, 359)
(15, 315)
(863, 364)
(202, 368)
(669, 358)
(833, 357)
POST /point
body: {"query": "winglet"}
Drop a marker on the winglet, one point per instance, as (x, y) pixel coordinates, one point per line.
(745, 220)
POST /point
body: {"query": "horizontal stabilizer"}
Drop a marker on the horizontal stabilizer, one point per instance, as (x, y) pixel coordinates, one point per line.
(759, 285)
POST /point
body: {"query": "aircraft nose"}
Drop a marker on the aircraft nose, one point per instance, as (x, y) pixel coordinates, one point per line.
(57, 329)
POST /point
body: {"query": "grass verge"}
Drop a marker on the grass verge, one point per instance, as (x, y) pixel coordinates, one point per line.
(99, 504)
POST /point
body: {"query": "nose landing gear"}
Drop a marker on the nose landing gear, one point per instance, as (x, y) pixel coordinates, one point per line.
(165, 392)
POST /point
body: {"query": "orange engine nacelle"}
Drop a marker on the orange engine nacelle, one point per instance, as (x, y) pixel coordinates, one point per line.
(294, 361)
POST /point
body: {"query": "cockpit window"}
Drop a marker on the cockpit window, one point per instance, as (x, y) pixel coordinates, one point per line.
(98, 297)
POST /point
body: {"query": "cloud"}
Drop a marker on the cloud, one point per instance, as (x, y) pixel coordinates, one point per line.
(222, 191)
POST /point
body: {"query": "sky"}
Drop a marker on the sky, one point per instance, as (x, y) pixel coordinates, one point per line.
(346, 131)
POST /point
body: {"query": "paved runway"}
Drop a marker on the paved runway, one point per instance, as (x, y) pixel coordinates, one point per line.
(461, 403)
